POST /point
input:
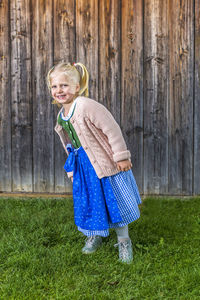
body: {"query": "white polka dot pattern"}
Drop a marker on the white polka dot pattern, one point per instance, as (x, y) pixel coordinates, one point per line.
(127, 194)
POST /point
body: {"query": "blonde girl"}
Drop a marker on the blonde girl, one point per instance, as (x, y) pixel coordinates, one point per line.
(105, 193)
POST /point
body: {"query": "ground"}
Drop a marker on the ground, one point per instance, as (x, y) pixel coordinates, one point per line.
(40, 252)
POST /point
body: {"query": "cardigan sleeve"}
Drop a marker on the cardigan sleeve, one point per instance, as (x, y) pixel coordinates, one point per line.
(100, 116)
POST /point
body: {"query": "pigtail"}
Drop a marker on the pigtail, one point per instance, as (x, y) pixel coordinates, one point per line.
(84, 81)
(48, 78)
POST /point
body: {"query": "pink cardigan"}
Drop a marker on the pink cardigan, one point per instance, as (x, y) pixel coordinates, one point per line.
(99, 135)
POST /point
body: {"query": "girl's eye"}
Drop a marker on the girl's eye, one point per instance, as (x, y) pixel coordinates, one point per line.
(53, 86)
(65, 85)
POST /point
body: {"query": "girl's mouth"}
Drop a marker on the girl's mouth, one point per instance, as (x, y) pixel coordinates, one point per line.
(61, 97)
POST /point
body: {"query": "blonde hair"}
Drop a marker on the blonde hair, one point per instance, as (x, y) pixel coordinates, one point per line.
(71, 71)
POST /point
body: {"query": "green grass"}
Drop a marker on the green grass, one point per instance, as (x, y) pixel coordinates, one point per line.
(40, 253)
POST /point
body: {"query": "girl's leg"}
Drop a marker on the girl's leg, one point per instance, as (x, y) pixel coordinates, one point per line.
(124, 244)
(122, 233)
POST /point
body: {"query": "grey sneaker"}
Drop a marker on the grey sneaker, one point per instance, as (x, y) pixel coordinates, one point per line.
(91, 244)
(125, 251)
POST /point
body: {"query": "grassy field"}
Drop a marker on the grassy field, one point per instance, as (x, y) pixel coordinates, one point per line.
(40, 253)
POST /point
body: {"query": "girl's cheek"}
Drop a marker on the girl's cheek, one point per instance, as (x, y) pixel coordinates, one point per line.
(72, 90)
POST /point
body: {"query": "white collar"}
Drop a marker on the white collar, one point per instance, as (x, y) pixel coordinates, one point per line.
(70, 111)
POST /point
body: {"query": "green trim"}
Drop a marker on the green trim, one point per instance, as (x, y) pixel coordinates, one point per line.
(68, 127)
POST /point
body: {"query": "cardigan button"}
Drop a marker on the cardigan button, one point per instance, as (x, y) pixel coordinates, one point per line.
(86, 148)
(94, 161)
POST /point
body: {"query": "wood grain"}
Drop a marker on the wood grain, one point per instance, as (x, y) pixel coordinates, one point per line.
(155, 97)
(144, 63)
(181, 64)
(21, 95)
(5, 103)
(132, 83)
(196, 157)
(64, 22)
(109, 56)
(43, 133)
(87, 40)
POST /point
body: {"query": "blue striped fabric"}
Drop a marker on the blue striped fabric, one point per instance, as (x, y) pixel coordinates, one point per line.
(127, 194)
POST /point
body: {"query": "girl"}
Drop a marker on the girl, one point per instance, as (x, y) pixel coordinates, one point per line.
(105, 193)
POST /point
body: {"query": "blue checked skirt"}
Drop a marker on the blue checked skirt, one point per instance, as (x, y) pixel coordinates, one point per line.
(100, 204)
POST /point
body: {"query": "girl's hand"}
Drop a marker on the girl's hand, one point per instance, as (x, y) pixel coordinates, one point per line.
(124, 165)
(71, 178)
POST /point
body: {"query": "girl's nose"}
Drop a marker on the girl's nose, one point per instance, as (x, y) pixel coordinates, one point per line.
(59, 89)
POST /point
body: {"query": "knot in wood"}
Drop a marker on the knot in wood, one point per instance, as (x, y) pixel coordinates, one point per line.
(112, 52)
(131, 36)
(66, 18)
(88, 38)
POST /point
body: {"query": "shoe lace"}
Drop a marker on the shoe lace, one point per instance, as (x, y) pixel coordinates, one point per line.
(90, 240)
(123, 246)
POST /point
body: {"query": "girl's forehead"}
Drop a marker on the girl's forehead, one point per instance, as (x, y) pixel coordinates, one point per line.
(59, 77)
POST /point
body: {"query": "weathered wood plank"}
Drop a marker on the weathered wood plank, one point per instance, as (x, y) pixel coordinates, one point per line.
(109, 56)
(21, 95)
(43, 134)
(65, 50)
(64, 31)
(181, 61)
(155, 97)
(197, 100)
(87, 41)
(5, 111)
(132, 83)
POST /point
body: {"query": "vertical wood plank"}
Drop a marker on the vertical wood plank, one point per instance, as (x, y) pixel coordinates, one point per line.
(43, 135)
(21, 95)
(181, 62)
(87, 40)
(64, 31)
(109, 56)
(64, 49)
(196, 154)
(5, 112)
(155, 97)
(132, 83)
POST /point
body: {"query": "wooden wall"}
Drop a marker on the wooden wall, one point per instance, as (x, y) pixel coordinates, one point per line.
(144, 64)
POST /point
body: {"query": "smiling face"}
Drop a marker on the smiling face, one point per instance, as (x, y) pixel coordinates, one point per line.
(63, 89)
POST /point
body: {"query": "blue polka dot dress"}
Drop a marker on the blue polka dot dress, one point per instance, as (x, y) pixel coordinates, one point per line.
(99, 204)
